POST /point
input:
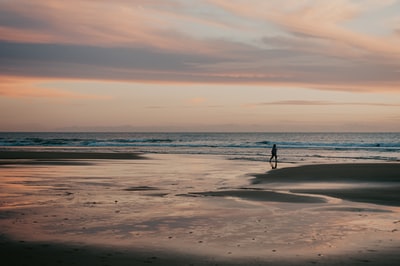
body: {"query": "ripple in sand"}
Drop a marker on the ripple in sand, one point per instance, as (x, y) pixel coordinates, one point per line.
(141, 188)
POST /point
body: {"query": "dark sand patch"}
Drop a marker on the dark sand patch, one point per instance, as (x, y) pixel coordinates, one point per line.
(374, 172)
(370, 183)
(48, 155)
(389, 196)
(261, 195)
(22, 252)
(61, 162)
(141, 188)
(353, 209)
(157, 194)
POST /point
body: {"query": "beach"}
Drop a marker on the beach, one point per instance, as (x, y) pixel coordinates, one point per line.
(104, 208)
(210, 132)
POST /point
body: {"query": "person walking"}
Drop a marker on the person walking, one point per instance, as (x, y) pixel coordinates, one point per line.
(274, 153)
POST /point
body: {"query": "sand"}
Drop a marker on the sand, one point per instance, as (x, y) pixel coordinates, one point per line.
(371, 183)
(74, 209)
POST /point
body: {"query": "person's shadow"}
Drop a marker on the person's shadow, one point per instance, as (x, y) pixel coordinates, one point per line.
(274, 164)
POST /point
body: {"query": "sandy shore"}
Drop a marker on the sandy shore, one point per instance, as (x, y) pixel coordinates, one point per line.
(194, 210)
(357, 172)
(20, 253)
(371, 183)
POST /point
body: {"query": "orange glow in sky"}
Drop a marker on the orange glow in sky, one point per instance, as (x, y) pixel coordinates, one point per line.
(215, 65)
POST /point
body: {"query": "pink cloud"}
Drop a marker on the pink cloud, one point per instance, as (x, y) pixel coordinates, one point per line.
(14, 87)
(318, 19)
(321, 103)
(311, 49)
(101, 23)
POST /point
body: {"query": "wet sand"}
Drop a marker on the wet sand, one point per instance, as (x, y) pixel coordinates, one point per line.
(44, 253)
(356, 172)
(371, 183)
(195, 210)
(49, 155)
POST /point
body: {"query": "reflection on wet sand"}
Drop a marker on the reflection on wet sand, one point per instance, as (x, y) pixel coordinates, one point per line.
(194, 209)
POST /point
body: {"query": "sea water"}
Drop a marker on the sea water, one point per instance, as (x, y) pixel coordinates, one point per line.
(292, 147)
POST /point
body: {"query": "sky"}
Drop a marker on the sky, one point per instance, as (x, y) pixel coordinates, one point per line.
(200, 65)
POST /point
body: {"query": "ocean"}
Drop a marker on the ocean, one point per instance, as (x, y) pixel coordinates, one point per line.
(292, 147)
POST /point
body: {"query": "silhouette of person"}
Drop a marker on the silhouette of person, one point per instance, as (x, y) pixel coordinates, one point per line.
(274, 152)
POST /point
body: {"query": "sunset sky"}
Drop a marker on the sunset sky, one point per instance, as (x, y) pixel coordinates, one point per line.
(200, 65)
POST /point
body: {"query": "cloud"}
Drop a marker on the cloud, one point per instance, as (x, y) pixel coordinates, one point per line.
(271, 68)
(12, 87)
(306, 45)
(318, 19)
(54, 60)
(122, 23)
(320, 103)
